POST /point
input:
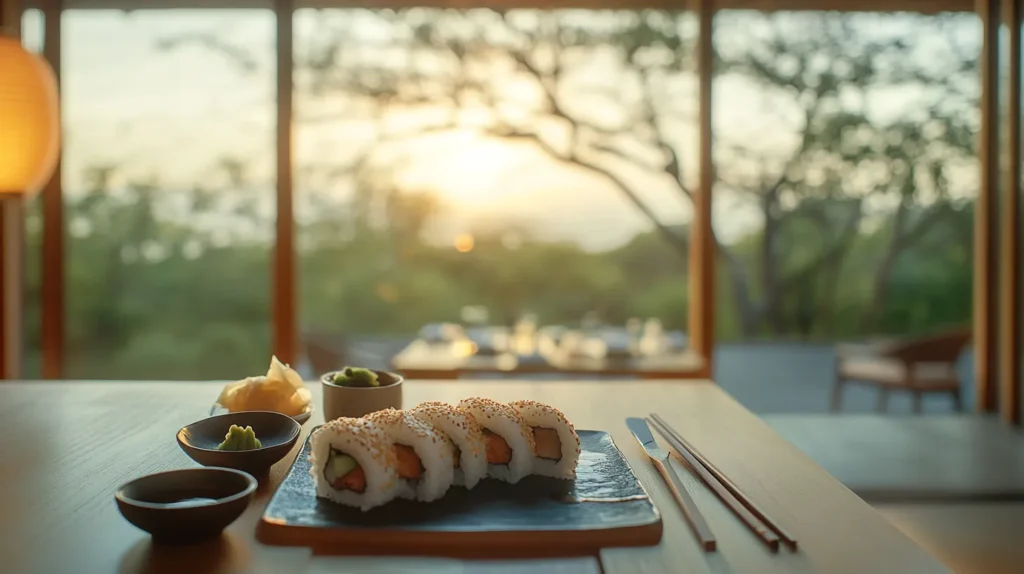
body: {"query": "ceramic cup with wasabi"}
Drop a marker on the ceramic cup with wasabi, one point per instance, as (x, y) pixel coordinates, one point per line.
(358, 399)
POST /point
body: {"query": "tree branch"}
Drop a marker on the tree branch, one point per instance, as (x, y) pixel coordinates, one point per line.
(677, 241)
(547, 83)
(846, 236)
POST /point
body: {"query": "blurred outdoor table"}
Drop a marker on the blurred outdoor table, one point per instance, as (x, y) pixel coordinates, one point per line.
(68, 445)
(423, 359)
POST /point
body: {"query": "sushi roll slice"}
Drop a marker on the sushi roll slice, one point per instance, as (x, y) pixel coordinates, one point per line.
(557, 446)
(353, 463)
(424, 457)
(508, 440)
(465, 437)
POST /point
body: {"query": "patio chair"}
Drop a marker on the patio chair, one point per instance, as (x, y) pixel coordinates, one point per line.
(921, 365)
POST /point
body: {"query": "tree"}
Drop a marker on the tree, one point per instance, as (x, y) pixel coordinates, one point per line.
(814, 193)
(852, 149)
(845, 187)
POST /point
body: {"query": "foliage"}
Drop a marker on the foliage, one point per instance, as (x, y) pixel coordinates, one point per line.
(865, 216)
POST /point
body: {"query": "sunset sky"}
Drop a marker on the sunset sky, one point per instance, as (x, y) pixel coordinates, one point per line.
(171, 113)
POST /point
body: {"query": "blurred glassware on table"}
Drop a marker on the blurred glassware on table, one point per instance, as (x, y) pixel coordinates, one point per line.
(617, 341)
(475, 315)
(591, 320)
(553, 333)
(524, 334)
(442, 332)
(634, 328)
(653, 341)
(676, 341)
(488, 340)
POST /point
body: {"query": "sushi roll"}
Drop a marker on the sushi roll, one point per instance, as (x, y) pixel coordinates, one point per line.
(424, 457)
(466, 438)
(557, 446)
(353, 463)
(508, 440)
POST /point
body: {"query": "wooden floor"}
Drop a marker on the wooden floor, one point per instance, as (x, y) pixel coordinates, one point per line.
(970, 538)
(953, 484)
(907, 458)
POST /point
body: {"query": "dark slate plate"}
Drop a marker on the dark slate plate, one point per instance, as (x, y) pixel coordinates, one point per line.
(605, 506)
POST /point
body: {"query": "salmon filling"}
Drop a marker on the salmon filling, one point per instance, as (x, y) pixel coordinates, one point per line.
(498, 451)
(344, 473)
(410, 467)
(549, 446)
(354, 481)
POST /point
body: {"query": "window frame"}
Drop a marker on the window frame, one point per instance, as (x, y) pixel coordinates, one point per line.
(284, 312)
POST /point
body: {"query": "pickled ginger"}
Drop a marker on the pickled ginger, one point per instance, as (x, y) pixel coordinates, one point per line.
(280, 390)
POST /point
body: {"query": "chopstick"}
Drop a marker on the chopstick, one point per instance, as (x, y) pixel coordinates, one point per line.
(767, 530)
(690, 511)
(762, 532)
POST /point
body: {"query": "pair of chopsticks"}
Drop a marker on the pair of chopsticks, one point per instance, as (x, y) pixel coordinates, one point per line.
(755, 518)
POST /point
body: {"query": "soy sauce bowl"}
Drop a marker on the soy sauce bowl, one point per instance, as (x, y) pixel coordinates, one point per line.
(185, 506)
(276, 432)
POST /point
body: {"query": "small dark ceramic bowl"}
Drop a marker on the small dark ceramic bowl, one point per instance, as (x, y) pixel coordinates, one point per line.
(189, 505)
(277, 433)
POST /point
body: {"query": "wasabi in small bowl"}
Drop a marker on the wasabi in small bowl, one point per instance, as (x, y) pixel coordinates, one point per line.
(251, 440)
(357, 377)
(356, 391)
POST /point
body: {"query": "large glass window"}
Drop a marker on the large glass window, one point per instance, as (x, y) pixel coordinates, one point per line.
(482, 166)
(846, 154)
(455, 164)
(168, 175)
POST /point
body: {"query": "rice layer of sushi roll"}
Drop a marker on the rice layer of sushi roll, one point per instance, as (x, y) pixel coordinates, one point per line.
(353, 463)
(425, 464)
(465, 435)
(557, 446)
(508, 440)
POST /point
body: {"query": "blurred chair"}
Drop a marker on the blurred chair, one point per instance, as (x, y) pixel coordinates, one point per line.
(920, 365)
(326, 351)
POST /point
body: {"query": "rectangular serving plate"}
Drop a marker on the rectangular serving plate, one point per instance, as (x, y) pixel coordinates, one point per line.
(605, 506)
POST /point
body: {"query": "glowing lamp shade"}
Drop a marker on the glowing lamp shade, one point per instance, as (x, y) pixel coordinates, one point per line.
(29, 119)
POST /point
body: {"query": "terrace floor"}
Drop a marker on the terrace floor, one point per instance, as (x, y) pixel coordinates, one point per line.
(767, 378)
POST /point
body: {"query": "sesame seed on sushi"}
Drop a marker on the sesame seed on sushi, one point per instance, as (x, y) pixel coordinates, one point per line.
(509, 443)
(352, 462)
(557, 446)
(466, 438)
(424, 464)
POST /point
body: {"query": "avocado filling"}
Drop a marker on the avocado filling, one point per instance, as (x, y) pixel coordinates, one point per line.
(548, 445)
(344, 473)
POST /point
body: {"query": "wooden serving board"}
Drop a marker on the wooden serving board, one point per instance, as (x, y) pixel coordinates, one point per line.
(605, 506)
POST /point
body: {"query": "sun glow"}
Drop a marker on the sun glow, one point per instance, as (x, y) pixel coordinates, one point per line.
(465, 169)
(464, 243)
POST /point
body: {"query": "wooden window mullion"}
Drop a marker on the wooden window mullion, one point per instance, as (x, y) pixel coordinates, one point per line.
(285, 336)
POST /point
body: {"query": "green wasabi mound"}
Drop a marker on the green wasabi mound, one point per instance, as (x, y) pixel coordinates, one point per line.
(356, 377)
(239, 438)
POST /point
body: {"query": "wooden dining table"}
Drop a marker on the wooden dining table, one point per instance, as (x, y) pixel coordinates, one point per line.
(65, 446)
